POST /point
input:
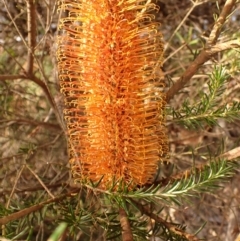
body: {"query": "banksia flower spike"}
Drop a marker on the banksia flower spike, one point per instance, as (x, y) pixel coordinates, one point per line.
(109, 54)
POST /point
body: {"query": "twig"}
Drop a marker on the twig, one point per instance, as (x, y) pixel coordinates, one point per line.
(36, 80)
(11, 194)
(34, 208)
(44, 87)
(31, 122)
(126, 228)
(40, 181)
(203, 57)
(11, 77)
(46, 90)
(210, 49)
(14, 186)
(21, 67)
(179, 26)
(31, 15)
(171, 227)
(14, 23)
(28, 73)
(232, 154)
(224, 46)
(213, 37)
(31, 10)
(35, 188)
(194, 4)
(228, 156)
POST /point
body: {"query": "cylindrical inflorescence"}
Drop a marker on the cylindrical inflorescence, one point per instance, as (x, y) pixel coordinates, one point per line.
(109, 54)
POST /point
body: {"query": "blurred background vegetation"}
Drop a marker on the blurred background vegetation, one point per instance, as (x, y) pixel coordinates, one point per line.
(33, 151)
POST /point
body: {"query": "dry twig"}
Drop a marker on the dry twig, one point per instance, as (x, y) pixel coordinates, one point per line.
(34, 208)
(229, 156)
(209, 51)
(40, 181)
(31, 11)
(126, 228)
(171, 227)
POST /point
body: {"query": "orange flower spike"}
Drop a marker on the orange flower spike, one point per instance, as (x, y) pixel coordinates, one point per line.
(108, 54)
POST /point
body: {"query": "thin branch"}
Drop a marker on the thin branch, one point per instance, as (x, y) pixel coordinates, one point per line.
(34, 208)
(36, 80)
(171, 227)
(30, 122)
(203, 57)
(228, 156)
(28, 74)
(126, 228)
(14, 186)
(210, 49)
(11, 77)
(40, 181)
(224, 46)
(194, 4)
(179, 26)
(45, 89)
(213, 37)
(14, 23)
(232, 154)
(35, 188)
(31, 15)
(21, 68)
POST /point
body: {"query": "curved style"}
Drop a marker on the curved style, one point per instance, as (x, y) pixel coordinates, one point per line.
(109, 55)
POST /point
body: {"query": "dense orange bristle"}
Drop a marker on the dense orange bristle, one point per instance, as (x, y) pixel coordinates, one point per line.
(108, 54)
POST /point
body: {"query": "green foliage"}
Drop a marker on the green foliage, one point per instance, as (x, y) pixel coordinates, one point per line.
(58, 232)
(196, 181)
(77, 218)
(210, 107)
(199, 180)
